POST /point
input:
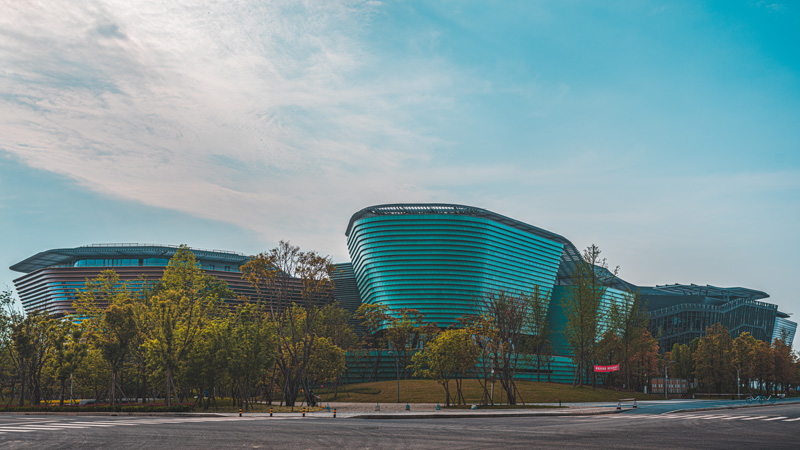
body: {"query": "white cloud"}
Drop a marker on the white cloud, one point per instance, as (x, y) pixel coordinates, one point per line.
(256, 114)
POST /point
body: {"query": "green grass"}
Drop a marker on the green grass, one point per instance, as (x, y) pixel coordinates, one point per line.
(428, 391)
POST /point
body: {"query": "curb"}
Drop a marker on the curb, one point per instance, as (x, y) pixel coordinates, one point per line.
(162, 414)
(470, 415)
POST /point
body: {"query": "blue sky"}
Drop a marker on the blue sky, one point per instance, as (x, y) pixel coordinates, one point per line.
(665, 132)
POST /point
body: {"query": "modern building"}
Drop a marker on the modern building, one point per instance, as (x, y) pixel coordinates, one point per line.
(680, 313)
(437, 258)
(440, 258)
(53, 277)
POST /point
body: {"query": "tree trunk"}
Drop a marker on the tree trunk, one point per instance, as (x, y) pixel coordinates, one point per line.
(22, 387)
(169, 385)
(113, 387)
(61, 396)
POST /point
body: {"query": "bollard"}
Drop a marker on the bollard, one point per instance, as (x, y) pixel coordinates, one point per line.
(334, 413)
(377, 406)
(619, 406)
(304, 411)
(634, 403)
(240, 412)
(408, 408)
(270, 412)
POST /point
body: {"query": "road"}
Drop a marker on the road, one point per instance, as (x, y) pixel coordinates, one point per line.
(772, 427)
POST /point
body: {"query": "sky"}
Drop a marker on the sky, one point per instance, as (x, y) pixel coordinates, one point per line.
(665, 132)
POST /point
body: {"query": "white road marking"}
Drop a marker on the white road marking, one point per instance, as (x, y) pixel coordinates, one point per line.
(755, 417)
(775, 418)
(792, 420)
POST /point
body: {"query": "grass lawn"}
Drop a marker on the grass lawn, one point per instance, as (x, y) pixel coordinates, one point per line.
(428, 391)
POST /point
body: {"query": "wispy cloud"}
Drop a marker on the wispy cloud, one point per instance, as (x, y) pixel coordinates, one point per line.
(248, 112)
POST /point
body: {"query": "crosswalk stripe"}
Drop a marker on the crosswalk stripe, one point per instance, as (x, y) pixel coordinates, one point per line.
(20, 430)
(715, 417)
(733, 417)
(775, 418)
(755, 417)
(792, 420)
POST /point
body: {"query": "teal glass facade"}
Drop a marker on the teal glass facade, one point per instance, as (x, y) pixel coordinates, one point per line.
(440, 264)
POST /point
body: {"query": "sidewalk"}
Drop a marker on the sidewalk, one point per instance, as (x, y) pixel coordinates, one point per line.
(428, 411)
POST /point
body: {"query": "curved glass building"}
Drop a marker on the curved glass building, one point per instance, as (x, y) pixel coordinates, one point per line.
(440, 258)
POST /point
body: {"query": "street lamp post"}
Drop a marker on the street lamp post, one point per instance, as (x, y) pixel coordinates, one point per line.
(666, 379)
(397, 370)
(738, 385)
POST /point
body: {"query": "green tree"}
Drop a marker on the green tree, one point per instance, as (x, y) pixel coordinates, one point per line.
(33, 345)
(251, 350)
(406, 332)
(17, 351)
(628, 320)
(582, 306)
(181, 306)
(326, 364)
(683, 367)
(713, 359)
(70, 348)
(448, 357)
(280, 275)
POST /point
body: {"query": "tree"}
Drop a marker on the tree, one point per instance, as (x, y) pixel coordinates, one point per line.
(406, 331)
(33, 345)
(505, 320)
(628, 320)
(783, 365)
(582, 306)
(539, 327)
(742, 357)
(70, 349)
(251, 349)
(373, 316)
(280, 275)
(763, 366)
(181, 306)
(448, 357)
(111, 317)
(326, 364)
(713, 358)
(683, 367)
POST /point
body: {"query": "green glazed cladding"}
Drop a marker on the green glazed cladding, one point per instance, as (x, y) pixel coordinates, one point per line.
(441, 264)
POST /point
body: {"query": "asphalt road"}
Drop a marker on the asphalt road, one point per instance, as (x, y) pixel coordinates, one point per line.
(772, 427)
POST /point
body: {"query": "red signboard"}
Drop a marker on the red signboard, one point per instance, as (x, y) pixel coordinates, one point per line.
(613, 368)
